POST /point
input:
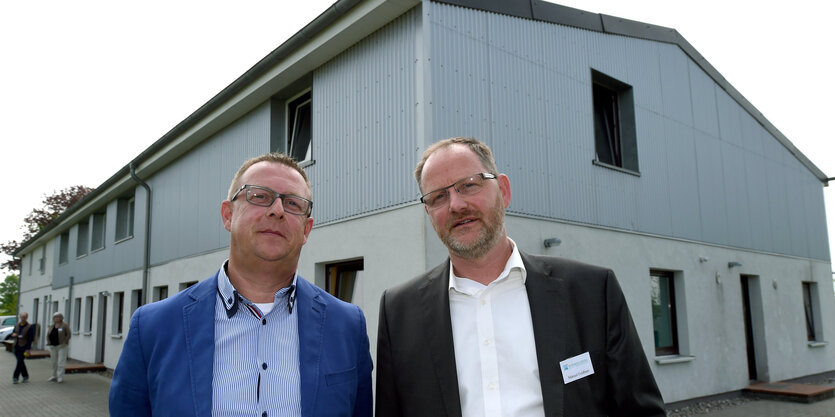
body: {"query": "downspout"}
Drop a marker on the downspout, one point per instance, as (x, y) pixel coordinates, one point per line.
(146, 267)
(68, 306)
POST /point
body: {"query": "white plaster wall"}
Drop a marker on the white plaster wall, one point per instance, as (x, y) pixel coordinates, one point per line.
(391, 245)
(711, 326)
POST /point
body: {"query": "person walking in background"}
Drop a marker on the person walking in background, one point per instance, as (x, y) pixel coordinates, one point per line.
(23, 334)
(58, 339)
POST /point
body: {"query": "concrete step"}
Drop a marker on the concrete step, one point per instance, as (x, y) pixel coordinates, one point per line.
(790, 391)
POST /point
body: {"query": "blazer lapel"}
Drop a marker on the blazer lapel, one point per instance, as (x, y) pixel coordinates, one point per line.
(434, 300)
(199, 329)
(548, 315)
(311, 324)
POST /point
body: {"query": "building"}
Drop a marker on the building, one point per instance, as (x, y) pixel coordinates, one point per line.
(624, 146)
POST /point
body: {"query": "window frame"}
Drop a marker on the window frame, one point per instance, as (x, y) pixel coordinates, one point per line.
(302, 100)
(621, 129)
(675, 347)
(98, 231)
(64, 248)
(336, 282)
(811, 311)
(82, 239)
(125, 218)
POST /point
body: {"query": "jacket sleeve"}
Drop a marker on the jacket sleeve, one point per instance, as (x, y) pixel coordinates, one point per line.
(364, 401)
(129, 394)
(387, 404)
(627, 361)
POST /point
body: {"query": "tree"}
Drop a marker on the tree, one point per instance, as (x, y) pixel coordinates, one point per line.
(53, 206)
(8, 295)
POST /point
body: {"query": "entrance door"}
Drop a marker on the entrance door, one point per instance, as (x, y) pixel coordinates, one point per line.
(749, 327)
(102, 336)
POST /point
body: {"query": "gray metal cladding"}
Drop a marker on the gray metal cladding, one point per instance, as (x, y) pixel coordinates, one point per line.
(708, 170)
(187, 193)
(364, 106)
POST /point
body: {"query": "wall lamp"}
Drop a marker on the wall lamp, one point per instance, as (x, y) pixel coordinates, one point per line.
(105, 293)
(703, 259)
(733, 264)
(552, 241)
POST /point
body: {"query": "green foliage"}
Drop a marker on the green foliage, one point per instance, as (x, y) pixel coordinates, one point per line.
(8, 295)
(53, 206)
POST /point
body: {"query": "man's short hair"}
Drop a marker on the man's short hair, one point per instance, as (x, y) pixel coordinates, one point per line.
(275, 157)
(479, 148)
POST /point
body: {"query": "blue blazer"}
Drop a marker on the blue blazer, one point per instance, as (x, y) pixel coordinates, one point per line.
(166, 364)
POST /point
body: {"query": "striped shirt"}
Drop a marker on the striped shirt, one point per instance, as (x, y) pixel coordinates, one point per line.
(256, 362)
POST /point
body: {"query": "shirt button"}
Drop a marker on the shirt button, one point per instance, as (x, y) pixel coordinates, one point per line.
(264, 322)
(229, 301)
(484, 302)
(491, 386)
(486, 342)
(264, 414)
(264, 365)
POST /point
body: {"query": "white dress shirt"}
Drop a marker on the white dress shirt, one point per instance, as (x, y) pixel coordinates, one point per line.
(495, 354)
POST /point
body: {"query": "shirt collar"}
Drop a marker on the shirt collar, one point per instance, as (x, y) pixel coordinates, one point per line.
(514, 262)
(231, 299)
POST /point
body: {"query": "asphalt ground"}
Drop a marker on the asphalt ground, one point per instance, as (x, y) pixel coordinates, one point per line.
(85, 395)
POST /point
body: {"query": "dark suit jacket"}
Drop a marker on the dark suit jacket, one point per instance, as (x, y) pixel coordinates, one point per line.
(166, 364)
(575, 308)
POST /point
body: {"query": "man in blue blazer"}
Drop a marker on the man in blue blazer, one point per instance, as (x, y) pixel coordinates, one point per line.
(256, 338)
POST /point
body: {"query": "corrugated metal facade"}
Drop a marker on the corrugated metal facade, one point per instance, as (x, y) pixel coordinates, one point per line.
(115, 258)
(364, 106)
(187, 194)
(709, 171)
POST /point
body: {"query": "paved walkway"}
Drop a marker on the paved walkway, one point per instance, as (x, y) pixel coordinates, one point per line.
(80, 395)
(85, 395)
(768, 408)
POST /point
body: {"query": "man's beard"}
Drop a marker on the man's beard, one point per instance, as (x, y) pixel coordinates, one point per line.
(487, 238)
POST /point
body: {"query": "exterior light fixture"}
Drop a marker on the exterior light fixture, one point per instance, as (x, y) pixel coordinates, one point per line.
(703, 259)
(733, 264)
(551, 242)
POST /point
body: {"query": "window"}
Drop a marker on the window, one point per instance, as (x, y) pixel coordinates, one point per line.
(615, 140)
(811, 310)
(664, 313)
(184, 285)
(76, 323)
(82, 242)
(341, 279)
(124, 217)
(42, 260)
(35, 305)
(97, 238)
(88, 323)
(64, 248)
(136, 300)
(300, 127)
(160, 293)
(118, 309)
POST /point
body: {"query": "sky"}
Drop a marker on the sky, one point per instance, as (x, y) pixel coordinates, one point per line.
(85, 86)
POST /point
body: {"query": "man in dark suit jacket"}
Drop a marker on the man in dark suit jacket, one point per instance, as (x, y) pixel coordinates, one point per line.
(494, 331)
(256, 338)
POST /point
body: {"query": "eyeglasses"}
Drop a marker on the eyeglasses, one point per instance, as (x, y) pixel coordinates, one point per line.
(466, 186)
(265, 197)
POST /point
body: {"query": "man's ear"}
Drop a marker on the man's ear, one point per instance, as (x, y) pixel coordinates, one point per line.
(226, 214)
(504, 188)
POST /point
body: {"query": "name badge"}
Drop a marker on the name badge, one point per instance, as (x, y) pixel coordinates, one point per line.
(60, 329)
(576, 368)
